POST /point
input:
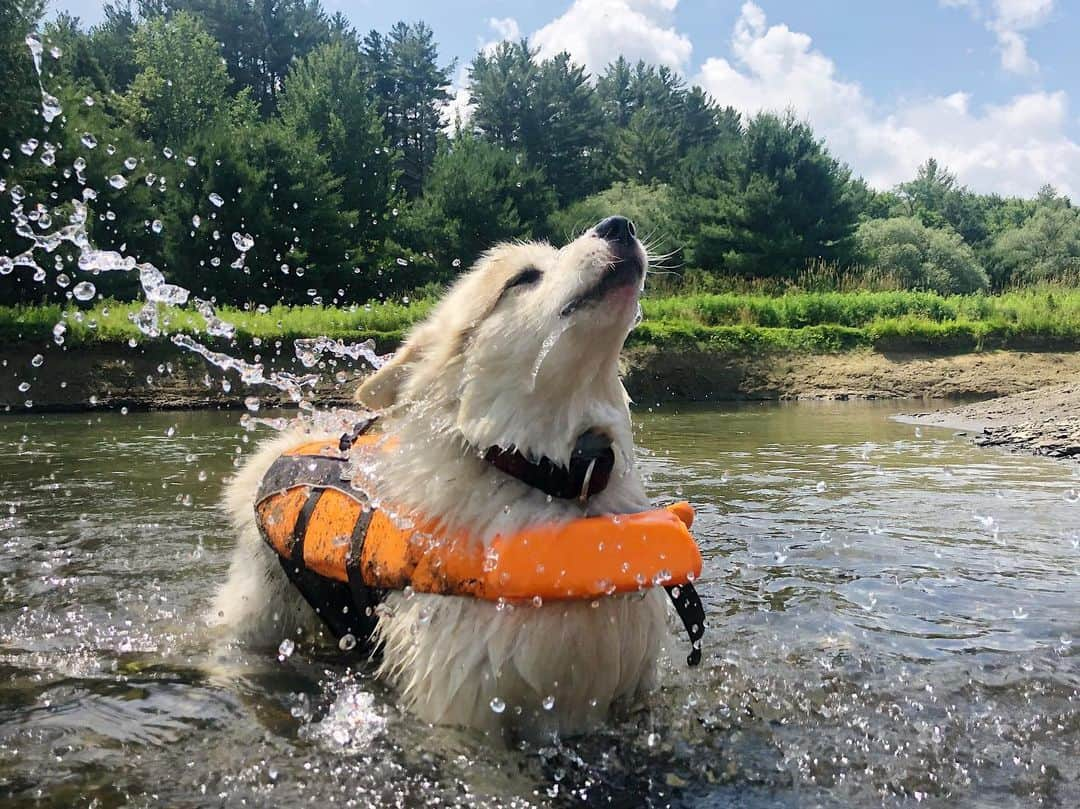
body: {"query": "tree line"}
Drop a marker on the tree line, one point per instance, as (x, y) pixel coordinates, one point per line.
(263, 151)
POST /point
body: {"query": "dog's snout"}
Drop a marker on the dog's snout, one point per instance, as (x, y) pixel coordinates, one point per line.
(615, 229)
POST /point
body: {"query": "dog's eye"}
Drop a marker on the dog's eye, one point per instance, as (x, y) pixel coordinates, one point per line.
(530, 275)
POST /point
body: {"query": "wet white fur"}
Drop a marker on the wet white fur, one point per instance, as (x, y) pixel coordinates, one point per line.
(483, 371)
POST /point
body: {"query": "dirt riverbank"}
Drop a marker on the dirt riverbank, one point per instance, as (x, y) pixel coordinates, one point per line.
(655, 375)
(159, 376)
(1045, 421)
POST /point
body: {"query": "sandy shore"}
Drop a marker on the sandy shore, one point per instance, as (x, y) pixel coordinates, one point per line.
(1045, 421)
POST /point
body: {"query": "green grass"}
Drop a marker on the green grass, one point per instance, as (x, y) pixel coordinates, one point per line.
(728, 322)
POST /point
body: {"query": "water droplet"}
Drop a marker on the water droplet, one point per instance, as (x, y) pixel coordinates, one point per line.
(402, 262)
(168, 153)
(118, 181)
(497, 705)
(24, 387)
(37, 361)
(190, 160)
(548, 703)
(1072, 495)
(88, 101)
(252, 403)
(243, 241)
(347, 643)
(286, 649)
(50, 107)
(456, 262)
(84, 291)
(130, 163)
(156, 226)
(216, 199)
(63, 280)
(196, 220)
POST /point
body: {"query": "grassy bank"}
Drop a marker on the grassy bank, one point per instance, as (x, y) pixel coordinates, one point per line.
(801, 321)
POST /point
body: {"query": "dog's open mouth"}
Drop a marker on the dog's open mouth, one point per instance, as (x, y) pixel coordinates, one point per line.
(625, 271)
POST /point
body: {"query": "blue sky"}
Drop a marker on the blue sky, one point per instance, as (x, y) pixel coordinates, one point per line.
(990, 87)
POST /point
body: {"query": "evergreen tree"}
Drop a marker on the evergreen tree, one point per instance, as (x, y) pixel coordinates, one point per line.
(549, 110)
(501, 85)
(181, 84)
(19, 95)
(326, 95)
(479, 193)
(411, 89)
(646, 149)
(111, 49)
(617, 97)
(260, 38)
(937, 199)
(794, 201)
(567, 139)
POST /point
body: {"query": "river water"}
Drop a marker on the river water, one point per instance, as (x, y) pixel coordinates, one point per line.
(893, 622)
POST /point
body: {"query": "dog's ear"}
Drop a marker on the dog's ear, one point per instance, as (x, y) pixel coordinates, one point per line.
(382, 388)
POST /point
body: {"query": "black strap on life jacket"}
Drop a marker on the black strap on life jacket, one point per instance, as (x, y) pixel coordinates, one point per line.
(589, 471)
(692, 614)
(361, 427)
(346, 609)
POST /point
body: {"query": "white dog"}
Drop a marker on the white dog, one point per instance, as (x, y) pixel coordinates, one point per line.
(522, 354)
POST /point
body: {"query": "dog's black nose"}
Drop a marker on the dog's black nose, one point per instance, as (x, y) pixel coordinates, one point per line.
(615, 229)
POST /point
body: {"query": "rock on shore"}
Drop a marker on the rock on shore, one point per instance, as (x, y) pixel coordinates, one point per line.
(1045, 421)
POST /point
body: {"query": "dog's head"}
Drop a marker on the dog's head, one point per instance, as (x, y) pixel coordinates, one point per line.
(523, 350)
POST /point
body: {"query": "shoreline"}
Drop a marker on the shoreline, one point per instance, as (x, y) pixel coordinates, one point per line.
(1044, 421)
(158, 376)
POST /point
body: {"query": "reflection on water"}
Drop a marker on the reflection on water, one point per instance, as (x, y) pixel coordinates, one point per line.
(893, 622)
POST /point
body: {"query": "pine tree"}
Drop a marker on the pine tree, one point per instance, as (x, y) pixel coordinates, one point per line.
(478, 194)
(326, 95)
(260, 38)
(548, 110)
(19, 96)
(411, 89)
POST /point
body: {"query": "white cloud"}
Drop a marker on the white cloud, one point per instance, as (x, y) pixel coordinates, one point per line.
(1007, 20)
(596, 32)
(1019, 15)
(1012, 148)
(504, 28)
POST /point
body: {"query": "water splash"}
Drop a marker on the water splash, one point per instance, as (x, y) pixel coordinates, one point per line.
(309, 351)
(36, 225)
(545, 349)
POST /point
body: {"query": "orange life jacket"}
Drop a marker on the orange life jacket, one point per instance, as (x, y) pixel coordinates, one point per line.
(343, 554)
